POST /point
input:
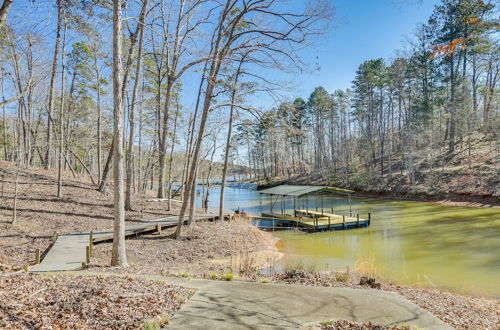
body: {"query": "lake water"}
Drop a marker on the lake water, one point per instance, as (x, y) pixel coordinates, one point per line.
(416, 243)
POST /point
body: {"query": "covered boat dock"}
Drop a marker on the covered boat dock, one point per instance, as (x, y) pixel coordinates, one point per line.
(303, 216)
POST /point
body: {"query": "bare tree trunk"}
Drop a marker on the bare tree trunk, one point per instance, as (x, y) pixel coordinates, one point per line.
(61, 121)
(453, 107)
(16, 187)
(50, 108)
(99, 115)
(4, 11)
(104, 179)
(125, 78)
(170, 161)
(228, 140)
(119, 257)
(130, 151)
(4, 121)
(192, 199)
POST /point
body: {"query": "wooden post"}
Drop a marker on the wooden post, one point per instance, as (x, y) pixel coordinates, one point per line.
(350, 208)
(357, 220)
(260, 201)
(87, 254)
(369, 218)
(282, 206)
(329, 223)
(37, 256)
(343, 221)
(158, 228)
(321, 204)
(91, 243)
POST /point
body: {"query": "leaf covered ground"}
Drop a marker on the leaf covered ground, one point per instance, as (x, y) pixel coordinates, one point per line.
(348, 325)
(203, 248)
(40, 213)
(82, 302)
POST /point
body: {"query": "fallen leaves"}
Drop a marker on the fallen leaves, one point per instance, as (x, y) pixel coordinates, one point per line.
(75, 302)
(341, 325)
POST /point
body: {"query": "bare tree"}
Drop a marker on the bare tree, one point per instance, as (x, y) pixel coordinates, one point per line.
(118, 257)
(237, 30)
(50, 107)
(61, 120)
(229, 135)
(138, 70)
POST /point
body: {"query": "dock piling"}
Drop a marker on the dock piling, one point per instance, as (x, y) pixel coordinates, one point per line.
(357, 220)
(91, 243)
(87, 255)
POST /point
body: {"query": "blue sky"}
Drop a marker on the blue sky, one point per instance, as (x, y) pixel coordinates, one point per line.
(366, 29)
(363, 30)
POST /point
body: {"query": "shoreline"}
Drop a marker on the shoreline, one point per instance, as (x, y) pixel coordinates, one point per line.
(450, 199)
(470, 201)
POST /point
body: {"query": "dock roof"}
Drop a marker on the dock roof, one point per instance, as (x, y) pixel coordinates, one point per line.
(297, 191)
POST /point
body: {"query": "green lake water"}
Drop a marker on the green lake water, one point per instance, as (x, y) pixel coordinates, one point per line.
(415, 243)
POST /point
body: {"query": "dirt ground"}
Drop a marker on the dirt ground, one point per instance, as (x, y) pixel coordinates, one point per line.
(40, 213)
(203, 249)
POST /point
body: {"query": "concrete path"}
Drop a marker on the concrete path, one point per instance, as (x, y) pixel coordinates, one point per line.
(68, 252)
(245, 305)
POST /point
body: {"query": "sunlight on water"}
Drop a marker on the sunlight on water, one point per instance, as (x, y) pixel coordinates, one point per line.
(416, 243)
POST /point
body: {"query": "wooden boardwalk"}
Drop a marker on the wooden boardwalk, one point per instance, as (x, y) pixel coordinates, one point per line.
(69, 251)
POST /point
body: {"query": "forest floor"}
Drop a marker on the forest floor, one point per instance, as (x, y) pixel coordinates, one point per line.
(40, 214)
(461, 179)
(206, 249)
(30, 301)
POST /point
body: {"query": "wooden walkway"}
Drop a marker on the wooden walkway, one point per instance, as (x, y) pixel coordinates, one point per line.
(69, 251)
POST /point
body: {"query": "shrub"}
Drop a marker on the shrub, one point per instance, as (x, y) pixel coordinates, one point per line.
(227, 277)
